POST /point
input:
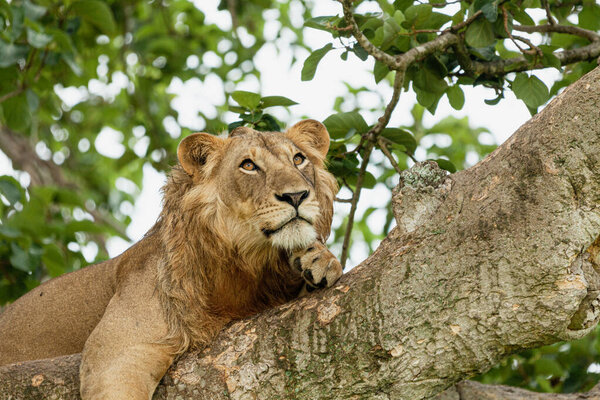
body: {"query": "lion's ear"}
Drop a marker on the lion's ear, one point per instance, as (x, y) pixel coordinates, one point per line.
(311, 133)
(193, 151)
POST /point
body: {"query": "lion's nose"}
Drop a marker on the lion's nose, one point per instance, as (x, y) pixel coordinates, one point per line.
(294, 199)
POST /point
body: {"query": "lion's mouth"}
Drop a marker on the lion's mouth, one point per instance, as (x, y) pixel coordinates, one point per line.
(270, 232)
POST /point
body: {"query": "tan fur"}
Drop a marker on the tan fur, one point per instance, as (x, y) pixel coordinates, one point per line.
(229, 243)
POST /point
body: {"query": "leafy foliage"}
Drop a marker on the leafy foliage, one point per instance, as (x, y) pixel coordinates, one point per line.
(73, 72)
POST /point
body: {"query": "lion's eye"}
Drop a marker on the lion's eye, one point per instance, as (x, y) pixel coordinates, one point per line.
(248, 165)
(299, 159)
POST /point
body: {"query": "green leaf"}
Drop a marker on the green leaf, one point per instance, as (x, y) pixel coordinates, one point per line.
(489, 8)
(33, 11)
(11, 189)
(445, 164)
(429, 79)
(20, 259)
(434, 21)
(16, 112)
(480, 33)
(236, 109)
(83, 226)
(252, 118)
(589, 17)
(360, 52)
(11, 53)
(323, 23)
(37, 39)
(380, 71)
(246, 99)
(53, 259)
(400, 137)
(416, 14)
(391, 29)
(456, 97)
(9, 232)
(549, 58)
(18, 17)
(369, 180)
(493, 102)
(97, 13)
(522, 17)
(338, 125)
(386, 6)
(32, 100)
(272, 101)
(425, 98)
(69, 59)
(530, 89)
(312, 61)
(548, 367)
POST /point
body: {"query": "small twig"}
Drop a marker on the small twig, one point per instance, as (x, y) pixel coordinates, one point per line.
(533, 49)
(337, 28)
(383, 147)
(370, 140)
(354, 201)
(417, 31)
(385, 118)
(14, 93)
(343, 200)
(510, 36)
(468, 21)
(548, 13)
(572, 30)
(347, 186)
(231, 7)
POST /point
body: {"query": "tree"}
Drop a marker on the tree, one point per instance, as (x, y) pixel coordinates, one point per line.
(152, 44)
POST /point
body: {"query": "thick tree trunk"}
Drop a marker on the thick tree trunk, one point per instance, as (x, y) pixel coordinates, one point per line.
(489, 261)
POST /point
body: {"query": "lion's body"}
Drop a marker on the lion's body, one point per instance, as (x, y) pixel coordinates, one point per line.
(57, 317)
(220, 250)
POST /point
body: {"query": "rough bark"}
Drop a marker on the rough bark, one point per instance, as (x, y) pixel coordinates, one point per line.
(483, 263)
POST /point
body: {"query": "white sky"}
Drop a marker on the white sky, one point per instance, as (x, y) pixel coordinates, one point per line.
(315, 100)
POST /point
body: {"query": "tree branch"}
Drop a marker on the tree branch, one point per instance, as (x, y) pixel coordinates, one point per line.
(44, 173)
(371, 139)
(573, 30)
(517, 64)
(469, 390)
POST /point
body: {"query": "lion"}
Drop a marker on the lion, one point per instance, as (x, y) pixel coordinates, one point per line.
(242, 229)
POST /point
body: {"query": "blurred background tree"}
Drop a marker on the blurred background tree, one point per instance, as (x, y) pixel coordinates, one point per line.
(88, 103)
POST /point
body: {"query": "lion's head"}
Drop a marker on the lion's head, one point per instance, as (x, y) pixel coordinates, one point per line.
(233, 210)
(264, 189)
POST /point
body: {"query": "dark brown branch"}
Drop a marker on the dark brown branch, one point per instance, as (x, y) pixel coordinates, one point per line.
(572, 30)
(517, 64)
(383, 143)
(548, 13)
(339, 200)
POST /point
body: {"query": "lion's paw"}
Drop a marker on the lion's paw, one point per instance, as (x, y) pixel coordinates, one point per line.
(318, 266)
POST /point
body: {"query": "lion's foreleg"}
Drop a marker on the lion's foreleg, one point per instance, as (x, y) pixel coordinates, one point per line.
(123, 357)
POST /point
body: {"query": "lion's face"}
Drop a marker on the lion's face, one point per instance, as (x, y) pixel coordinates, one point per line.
(264, 188)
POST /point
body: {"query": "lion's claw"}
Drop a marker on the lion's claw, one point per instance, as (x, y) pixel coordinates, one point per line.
(319, 268)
